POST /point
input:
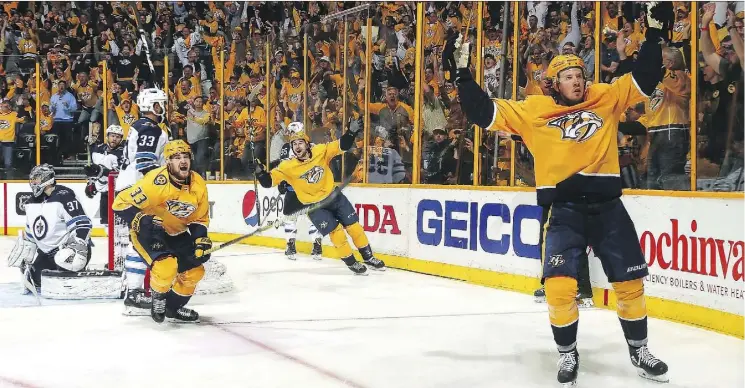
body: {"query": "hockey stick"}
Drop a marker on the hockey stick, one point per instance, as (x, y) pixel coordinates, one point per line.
(257, 203)
(279, 221)
(149, 62)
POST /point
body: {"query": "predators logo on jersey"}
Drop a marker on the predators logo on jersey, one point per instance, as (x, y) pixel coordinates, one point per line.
(313, 175)
(656, 99)
(578, 126)
(180, 209)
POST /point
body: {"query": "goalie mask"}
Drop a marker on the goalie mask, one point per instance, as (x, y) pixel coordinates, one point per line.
(153, 101)
(40, 178)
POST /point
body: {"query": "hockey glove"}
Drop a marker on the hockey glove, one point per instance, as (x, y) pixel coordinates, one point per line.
(96, 171)
(202, 244)
(90, 190)
(355, 126)
(282, 187)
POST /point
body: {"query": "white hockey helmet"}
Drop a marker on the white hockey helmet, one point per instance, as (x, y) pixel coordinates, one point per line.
(295, 127)
(148, 97)
(115, 129)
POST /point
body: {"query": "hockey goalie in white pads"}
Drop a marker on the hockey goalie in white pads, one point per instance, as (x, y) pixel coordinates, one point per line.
(59, 229)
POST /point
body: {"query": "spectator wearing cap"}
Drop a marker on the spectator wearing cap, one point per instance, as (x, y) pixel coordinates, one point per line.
(609, 59)
(435, 172)
(63, 106)
(292, 94)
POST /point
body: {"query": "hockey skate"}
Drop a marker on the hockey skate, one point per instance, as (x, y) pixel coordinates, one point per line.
(136, 303)
(158, 308)
(317, 249)
(182, 315)
(647, 365)
(540, 295)
(584, 300)
(290, 252)
(358, 268)
(369, 259)
(568, 368)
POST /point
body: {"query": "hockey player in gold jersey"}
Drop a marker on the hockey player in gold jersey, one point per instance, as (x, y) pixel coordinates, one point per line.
(310, 176)
(168, 215)
(572, 134)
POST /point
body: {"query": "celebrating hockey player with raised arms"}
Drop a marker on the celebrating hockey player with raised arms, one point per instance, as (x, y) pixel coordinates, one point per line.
(143, 153)
(57, 235)
(573, 136)
(291, 203)
(310, 176)
(168, 215)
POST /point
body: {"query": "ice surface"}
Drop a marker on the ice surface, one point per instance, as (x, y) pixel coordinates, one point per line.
(313, 324)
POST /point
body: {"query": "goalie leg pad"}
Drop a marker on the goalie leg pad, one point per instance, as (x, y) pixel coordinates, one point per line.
(103, 284)
(23, 251)
(163, 273)
(339, 239)
(187, 281)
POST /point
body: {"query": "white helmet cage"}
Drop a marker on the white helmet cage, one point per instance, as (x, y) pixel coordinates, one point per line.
(148, 97)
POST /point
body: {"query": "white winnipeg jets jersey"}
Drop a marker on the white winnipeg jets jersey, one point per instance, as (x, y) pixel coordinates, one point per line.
(144, 152)
(385, 166)
(110, 158)
(52, 220)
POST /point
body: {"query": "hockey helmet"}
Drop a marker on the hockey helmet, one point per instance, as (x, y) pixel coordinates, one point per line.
(41, 177)
(148, 97)
(115, 129)
(561, 63)
(295, 127)
(299, 136)
(176, 147)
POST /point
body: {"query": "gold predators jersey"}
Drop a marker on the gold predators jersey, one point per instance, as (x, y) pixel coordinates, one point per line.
(178, 205)
(312, 179)
(575, 147)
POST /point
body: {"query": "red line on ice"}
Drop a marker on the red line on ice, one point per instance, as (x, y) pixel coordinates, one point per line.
(16, 383)
(289, 357)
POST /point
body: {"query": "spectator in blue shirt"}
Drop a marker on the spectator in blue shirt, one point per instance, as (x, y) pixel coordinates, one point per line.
(63, 106)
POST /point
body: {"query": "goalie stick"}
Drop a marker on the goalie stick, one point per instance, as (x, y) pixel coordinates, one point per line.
(269, 224)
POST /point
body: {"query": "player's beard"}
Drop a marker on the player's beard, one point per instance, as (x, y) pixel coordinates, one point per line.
(304, 154)
(180, 172)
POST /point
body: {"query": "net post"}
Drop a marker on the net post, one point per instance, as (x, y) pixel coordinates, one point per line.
(110, 210)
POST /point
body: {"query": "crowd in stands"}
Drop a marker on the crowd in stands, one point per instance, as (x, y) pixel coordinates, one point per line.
(271, 63)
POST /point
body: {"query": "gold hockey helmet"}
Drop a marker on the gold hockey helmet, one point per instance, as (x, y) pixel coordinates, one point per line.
(176, 147)
(561, 63)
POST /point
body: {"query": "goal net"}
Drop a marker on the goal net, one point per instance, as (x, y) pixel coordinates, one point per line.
(216, 279)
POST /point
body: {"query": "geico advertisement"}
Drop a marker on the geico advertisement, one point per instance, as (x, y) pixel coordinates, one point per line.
(480, 229)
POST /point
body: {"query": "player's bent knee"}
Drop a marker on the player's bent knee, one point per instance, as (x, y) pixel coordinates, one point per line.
(630, 299)
(561, 293)
(339, 240)
(359, 238)
(163, 273)
(187, 281)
